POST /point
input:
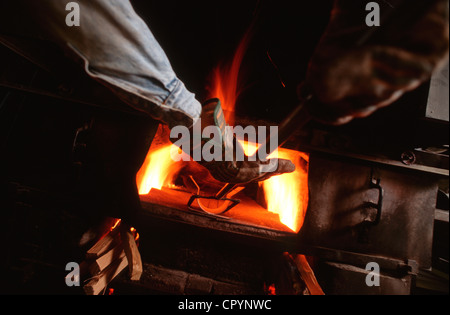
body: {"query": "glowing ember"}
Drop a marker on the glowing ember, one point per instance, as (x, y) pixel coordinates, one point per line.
(116, 223)
(271, 290)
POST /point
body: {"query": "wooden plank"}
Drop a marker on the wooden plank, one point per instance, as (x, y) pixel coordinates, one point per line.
(308, 275)
(131, 252)
(105, 244)
(99, 282)
(107, 259)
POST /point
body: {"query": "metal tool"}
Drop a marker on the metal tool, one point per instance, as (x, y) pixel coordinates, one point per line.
(297, 119)
(223, 199)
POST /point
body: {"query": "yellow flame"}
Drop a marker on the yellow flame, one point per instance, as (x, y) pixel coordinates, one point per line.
(225, 79)
(287, 194)
(157, 170)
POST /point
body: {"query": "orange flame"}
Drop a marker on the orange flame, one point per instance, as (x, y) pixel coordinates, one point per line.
(226, 79)
(158, 170)
(116, 224)
(270, 289)
(155, 174)
(287, 194)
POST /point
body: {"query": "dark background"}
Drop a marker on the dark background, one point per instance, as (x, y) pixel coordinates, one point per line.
(198, 35)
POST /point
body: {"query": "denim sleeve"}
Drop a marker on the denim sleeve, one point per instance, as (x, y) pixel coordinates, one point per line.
(120, 51)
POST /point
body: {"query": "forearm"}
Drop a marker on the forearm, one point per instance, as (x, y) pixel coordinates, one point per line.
(117, 49)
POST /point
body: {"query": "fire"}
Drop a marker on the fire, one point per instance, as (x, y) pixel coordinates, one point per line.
(132, 229)
(287, 194)
(158, 170)
(116, 224)
(270, 289)
(226, 78)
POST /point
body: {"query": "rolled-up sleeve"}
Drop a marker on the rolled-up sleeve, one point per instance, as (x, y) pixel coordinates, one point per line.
(120, 51)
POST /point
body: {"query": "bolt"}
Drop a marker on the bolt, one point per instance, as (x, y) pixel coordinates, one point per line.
(408, 158)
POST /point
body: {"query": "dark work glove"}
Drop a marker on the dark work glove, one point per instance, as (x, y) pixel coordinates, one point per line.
(231, 165)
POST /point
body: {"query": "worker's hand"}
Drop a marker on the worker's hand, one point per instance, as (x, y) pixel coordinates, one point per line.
(231, 165)
(246, 171)
(235, 166)
(351, 82)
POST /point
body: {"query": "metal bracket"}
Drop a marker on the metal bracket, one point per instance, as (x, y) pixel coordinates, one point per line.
(363, 227)
(375, 184)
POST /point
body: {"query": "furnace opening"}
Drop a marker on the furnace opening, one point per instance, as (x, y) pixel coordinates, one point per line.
(278, 203)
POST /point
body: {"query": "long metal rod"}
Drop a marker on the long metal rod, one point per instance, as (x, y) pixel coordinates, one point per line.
(297, 119)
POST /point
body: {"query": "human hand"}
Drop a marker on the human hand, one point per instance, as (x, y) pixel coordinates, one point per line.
(248, 171)
(223, 155)
(350, 82)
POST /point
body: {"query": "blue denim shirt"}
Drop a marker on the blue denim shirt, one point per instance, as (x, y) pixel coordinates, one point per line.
(120, 51)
